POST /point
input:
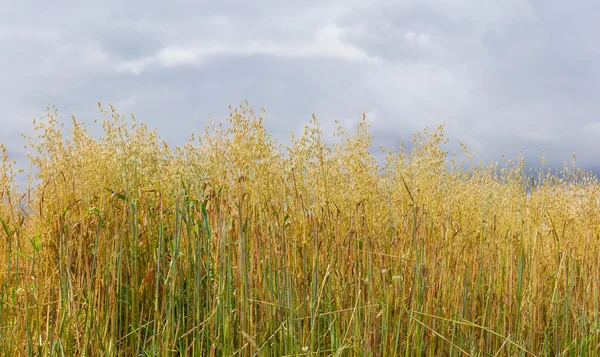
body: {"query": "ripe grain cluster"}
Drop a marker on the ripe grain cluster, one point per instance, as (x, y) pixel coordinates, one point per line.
(236, 245)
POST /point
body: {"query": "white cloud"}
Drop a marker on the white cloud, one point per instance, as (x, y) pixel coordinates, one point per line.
(326, 42)
(174, 56)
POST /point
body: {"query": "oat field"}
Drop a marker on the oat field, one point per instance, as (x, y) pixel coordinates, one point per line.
(236, 245)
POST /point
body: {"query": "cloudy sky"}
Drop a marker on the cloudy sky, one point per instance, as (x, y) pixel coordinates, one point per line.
(504, 75)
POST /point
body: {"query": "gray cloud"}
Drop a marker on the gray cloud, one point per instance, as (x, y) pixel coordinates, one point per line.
(126, 41)
(503, 76)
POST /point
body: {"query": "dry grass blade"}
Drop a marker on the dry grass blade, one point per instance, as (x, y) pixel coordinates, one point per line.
(233, 244)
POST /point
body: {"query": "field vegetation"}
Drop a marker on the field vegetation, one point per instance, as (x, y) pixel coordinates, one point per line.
(236, 245)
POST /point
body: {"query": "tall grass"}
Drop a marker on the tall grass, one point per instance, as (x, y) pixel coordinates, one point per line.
(235, 245)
